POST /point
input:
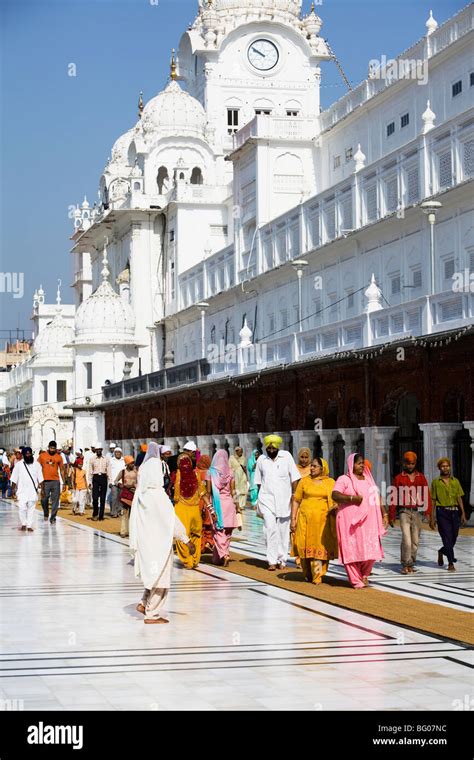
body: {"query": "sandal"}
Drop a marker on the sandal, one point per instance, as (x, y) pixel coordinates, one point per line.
(405, 571)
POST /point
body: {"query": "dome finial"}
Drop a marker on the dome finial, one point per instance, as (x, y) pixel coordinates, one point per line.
(140, 105)
(105, 269)
(173, 75)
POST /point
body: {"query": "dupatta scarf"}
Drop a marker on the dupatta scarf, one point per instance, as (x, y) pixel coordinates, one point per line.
(366, 505)
(188, 480)
(221, 475)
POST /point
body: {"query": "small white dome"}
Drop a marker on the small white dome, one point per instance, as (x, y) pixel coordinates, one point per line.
(119, 155)
(51, 342)
(105, 319)
(174, 112)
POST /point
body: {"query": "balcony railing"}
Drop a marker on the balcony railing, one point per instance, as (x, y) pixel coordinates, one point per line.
(171, 377)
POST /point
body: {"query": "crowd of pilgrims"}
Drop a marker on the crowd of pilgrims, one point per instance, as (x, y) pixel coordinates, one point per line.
(192, 504)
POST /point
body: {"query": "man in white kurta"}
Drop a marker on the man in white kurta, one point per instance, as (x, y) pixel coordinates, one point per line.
(26, 478)
(277, 474)
(153, 524)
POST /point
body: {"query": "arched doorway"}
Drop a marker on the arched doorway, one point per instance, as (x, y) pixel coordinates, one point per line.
(408, 437)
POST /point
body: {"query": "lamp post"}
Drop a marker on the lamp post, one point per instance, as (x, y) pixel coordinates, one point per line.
(430, 208)
(299, 265)
(203, 305)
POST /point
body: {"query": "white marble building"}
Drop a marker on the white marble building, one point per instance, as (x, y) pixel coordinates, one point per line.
(233, 174)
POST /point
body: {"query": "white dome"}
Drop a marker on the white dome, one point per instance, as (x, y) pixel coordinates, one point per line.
(51, 342)
(174, 112)
(105, 319)
(119, 156)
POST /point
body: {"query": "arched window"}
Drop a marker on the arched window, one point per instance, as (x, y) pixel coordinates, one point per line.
(162, 180)
(196, 176)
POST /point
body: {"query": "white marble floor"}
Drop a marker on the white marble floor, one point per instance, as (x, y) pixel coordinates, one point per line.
(71, 639)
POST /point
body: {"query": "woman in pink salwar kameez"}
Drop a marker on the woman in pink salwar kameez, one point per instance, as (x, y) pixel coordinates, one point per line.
(361, 521)
(221, 493)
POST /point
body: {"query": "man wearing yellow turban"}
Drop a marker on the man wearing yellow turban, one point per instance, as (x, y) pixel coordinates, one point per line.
(272, 440)
(276, 475)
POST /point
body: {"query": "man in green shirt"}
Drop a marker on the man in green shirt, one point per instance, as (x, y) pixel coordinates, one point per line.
(446, 494)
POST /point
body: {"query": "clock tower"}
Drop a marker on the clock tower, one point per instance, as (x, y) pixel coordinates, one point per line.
(243, 58)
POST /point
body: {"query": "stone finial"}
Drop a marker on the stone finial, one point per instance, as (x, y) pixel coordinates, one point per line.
(173, 74)
(105, 269)
(140, 105)
(245, 335)
(85, 203)
(374, 296)
(428, 119)
(359, 159)
(40, 294)
(431, 24)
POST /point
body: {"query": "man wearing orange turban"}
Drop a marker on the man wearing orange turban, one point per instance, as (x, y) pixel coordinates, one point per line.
(410, 493)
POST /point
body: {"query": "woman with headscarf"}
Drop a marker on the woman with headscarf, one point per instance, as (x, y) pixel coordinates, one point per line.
(253, 488)
(304, 467)
(207, 535)
(188, 489)
(127, 481)
(221, 493)
(361, 521)
(153, 524)
(304, 462)
(238, 464)
(313, 524)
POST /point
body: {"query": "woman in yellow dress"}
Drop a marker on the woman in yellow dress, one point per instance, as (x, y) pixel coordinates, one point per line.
(188, 489)
(313, 524)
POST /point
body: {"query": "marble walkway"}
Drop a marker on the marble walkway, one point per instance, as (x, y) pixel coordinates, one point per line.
(70, 637)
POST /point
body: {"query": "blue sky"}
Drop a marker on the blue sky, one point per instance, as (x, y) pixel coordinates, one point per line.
(57, 131)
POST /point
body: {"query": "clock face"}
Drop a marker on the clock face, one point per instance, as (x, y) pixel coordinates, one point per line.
(263, 55)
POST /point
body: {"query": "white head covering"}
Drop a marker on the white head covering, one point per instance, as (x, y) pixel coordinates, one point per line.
(98, 446)
(189, 446)
(165, 450)
(152, 451)
(112, 445)
(117, 448)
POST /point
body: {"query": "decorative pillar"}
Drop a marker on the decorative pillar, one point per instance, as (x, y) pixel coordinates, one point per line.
(303, 439)
(249, 442)
(181, 441)
(205, 444)
(173, 444)
(437, 442)
(377, 451)
(233, 441)
(351, 437)
(327, 437)
(220, 441)
(470, 426)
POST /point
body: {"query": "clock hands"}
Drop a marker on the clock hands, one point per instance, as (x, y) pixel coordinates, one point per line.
(255, 50)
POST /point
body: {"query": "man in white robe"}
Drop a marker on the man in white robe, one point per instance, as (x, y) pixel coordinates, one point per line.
(153, 525)
(26, 478)
(276, 475)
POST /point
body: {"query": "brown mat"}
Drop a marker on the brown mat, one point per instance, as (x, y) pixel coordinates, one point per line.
(108, 524)
(394, 608)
